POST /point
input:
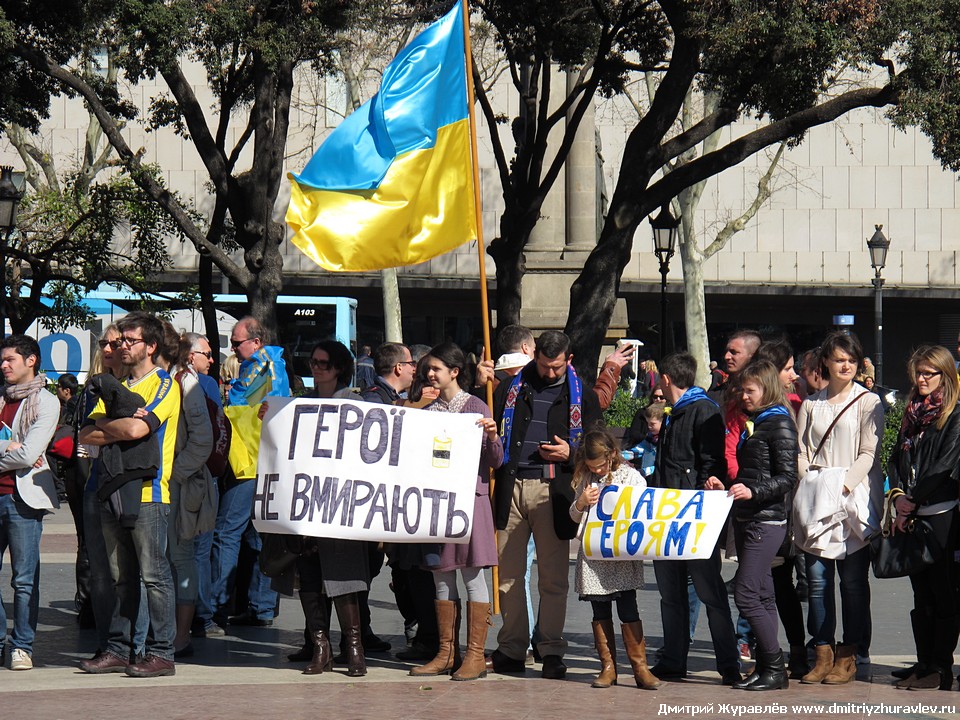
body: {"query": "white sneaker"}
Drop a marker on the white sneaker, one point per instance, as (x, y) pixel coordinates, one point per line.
(20, 660)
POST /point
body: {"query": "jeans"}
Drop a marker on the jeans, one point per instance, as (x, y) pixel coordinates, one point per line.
(183, 556)
(234, 526)
(854, 597)
(140, 553)
(757, 546)
(675, 610)
(203, 549)
(20, 528)
(103, 598)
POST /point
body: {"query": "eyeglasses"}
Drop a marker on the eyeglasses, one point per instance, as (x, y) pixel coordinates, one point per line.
(130, 342)
(408, 362)
(237, 343)
(114, 344)
(928, 375)
(208, 355)
(320, 364)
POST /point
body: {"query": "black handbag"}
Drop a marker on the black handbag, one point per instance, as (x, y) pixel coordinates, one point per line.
(900, 554)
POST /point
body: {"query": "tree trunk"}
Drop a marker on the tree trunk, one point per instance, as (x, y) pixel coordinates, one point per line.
(392, 316)
(208, 311)
(694, 307)
(593, 296)
(264, 291)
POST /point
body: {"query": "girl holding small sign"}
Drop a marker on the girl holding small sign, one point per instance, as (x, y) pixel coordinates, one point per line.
(445, 370)
(767, 459)
(598, 462)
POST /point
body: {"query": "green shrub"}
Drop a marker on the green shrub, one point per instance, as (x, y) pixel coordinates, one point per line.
(622, 409)
(891, 429)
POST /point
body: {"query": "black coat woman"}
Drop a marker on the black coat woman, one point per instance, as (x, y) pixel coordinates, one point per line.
(923, 471)
(767, 459)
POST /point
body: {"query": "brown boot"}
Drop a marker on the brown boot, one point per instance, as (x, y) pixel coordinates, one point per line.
(322, 654)
(348, 612)
(636, 645)
(822, 667)
(446, 623)
(606, 643)
(474, 666)
(844, 666)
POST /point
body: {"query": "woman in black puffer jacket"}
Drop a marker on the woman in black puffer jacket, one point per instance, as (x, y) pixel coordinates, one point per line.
(767, 455)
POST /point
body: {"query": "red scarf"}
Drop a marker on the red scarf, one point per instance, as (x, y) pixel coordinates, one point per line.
(920, 413)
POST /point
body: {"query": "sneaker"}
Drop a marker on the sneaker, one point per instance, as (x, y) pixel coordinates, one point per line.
(745, 653)
(213, 630)
(20, 660)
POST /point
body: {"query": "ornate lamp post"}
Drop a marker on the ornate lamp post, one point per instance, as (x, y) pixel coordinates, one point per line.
(878, 245)
(664, 243)
(10, 196)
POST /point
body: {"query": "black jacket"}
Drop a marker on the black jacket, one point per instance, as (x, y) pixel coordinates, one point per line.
(690, 449)
(558, 423)
(936, 455)
(768, 466)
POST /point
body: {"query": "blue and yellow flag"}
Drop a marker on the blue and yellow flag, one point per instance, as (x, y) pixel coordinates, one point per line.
(393, 184)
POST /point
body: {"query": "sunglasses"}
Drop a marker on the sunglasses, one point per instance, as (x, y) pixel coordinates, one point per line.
(237, 343)
(208, 355)
(320, 364)
(114, 344)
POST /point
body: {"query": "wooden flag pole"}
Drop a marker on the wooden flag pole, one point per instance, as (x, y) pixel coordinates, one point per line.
(484, 300)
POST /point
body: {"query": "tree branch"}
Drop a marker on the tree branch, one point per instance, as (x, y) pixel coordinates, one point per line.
(144, 179)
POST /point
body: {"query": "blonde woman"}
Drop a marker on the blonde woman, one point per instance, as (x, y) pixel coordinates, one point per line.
(923, 472)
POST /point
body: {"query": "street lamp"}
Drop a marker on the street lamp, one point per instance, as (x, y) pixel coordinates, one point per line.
(878, 245)
(664, 242)
(10, 196)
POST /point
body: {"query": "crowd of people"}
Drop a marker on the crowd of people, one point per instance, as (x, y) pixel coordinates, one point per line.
(162, 494)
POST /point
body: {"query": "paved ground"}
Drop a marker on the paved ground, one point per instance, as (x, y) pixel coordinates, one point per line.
(246, 674)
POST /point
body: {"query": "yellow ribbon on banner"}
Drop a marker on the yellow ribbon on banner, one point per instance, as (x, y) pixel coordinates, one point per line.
(245, 444)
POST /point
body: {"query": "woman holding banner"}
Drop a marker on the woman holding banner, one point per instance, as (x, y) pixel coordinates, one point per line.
(841, 428)
(923, 489)
(598, 463)
(331, 568)
(767, 459)
(445, 366)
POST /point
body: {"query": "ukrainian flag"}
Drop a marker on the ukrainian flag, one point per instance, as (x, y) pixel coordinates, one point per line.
(393, 184)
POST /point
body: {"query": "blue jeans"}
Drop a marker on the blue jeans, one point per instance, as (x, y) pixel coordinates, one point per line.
(234, 526)
(203, 547)
(20, 528)
(854, 597)
(103, 598)
(675, 611)
(140, 553)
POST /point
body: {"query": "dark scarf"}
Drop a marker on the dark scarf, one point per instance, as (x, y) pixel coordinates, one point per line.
(920, 413)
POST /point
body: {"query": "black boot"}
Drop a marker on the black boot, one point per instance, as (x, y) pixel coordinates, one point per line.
(348, 612)
(774, 674)
(752, 677)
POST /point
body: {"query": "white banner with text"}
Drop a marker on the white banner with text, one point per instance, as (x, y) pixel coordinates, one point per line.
(632, 523)
(363, 471)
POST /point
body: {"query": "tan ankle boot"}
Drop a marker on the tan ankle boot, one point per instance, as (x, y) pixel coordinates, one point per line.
(636, 645)
(822, 667)
(474, 665)
(606, 643)
(844, 666)
(446, 624)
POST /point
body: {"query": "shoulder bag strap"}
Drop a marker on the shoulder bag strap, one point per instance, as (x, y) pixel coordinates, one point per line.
(834, 423)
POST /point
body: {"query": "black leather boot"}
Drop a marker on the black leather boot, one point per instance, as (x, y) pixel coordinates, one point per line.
(773, 675)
